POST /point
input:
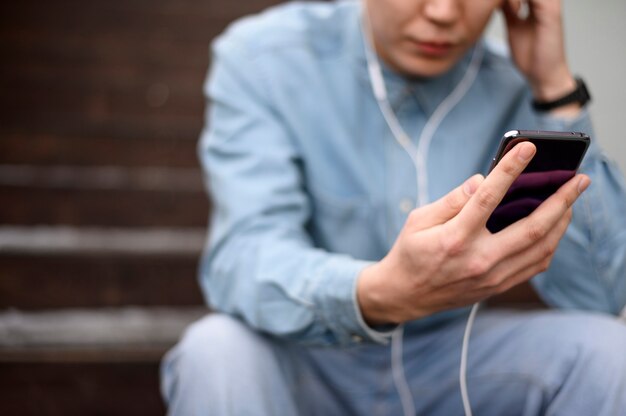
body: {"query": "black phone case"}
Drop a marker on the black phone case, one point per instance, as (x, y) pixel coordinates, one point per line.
(513, 137)
(558, 157)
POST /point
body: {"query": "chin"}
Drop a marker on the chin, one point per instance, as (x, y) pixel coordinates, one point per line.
(423, 67)
(426, 68)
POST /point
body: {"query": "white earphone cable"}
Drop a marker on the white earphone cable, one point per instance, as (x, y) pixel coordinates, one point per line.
(435, 120)
(419, 158)
(397, 372)
(418, 155)
(463, 366)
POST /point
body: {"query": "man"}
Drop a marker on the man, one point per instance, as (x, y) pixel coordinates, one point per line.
(346, 277)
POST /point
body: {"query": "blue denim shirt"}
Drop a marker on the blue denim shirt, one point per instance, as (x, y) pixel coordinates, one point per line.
(309, 185)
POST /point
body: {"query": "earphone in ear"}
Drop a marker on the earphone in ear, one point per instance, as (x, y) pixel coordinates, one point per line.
(523, 12)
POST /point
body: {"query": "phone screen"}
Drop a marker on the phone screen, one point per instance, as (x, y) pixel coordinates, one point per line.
(556, 161)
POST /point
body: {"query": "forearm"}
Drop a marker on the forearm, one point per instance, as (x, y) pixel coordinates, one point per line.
(261, 263)
(272, 278)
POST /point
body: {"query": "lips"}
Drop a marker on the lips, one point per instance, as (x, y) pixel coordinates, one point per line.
(433, 48)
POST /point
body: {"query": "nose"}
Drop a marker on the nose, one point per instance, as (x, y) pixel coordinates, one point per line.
(443, 12)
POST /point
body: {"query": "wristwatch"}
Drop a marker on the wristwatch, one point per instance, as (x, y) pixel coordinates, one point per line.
(580, 95)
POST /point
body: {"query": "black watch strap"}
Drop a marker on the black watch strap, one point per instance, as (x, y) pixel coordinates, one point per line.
(580, 95)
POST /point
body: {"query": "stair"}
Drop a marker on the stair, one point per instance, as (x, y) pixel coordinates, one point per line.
(103, 208)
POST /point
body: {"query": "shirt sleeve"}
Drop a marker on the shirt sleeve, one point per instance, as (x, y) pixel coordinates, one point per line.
(589, 268)
(260, 263)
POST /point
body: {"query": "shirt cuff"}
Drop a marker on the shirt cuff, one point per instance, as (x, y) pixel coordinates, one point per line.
(337, 302)
(581, 123)
(380, 335)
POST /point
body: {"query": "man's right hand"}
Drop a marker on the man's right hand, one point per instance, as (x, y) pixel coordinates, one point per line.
(446, 258)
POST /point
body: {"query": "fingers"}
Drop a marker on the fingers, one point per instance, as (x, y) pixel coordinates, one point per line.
(535, 259)
(504, 276)
(477, 210)
(526, 232)
(527, 247)
(446, 207)
(521, 266)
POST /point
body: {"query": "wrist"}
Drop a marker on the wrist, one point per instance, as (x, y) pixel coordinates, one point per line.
(371, 296)
(567, 105)
(557, 87)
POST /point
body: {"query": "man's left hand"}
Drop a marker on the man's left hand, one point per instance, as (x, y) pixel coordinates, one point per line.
(538, 48)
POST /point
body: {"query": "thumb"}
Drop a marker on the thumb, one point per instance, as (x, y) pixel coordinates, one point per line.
(446, 207)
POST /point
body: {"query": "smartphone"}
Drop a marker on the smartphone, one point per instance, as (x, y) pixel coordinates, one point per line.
(558, 157)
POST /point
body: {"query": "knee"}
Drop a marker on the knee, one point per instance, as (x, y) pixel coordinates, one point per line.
(205, 355)
(596, 344)
(601, 340)
(215, 339)
(222, 367)
(597, 374)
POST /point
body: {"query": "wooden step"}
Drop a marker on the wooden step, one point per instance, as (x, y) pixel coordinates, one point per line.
(135, 39)
(103, 196)
(101, 108)
(100, 94)
(77, 362)
(66, 280)
(94, 72)
(79, 17)
(184, 21)
(123, 127)
(111, 208)
(78, 389)
(71, 149)
(86, 267)
(144, 179)
(110, 334)
(97, 241)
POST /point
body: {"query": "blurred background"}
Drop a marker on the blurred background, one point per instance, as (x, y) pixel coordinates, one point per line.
(102, 207)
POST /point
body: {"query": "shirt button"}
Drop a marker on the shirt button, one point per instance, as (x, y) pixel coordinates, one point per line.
(357, 338)
(406, 205)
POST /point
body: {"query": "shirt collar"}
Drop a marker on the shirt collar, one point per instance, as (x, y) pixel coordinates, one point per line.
(428, 92)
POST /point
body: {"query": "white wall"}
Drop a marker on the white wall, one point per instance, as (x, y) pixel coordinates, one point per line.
(596, 47)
